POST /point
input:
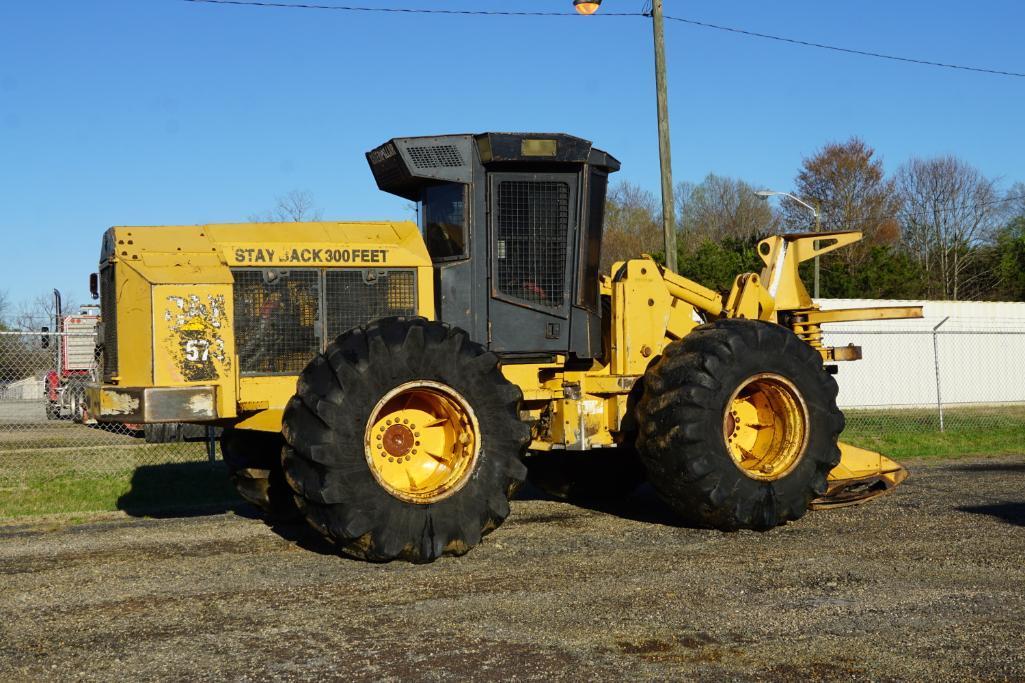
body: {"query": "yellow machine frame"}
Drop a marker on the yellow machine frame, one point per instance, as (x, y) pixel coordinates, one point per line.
(174, 294)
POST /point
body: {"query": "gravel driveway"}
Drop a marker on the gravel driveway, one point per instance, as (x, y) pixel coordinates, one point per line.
(927, 584)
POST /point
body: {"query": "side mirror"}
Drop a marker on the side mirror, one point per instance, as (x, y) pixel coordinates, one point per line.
(94, 285)
(44, 339)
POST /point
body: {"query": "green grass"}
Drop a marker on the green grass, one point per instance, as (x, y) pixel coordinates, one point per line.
(152, 479)
(139, 479)
(915, 433)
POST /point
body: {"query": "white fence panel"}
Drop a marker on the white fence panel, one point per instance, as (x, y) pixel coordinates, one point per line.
(979, 348)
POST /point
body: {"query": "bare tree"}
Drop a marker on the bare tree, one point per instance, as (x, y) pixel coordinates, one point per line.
(294, 207)
(40, 311)
(633, 225)
(1014, 201)
(949, 209)
(720, 208)
(846, 182)
(5, 306)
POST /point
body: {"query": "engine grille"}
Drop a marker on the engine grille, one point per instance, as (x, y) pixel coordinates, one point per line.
(284, 318)
(108, 315)
(355, 297)
(276, 316)
(532, 222)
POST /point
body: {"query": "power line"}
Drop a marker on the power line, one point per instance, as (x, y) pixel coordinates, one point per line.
(682, 20)
(863, 53)
(404, 10)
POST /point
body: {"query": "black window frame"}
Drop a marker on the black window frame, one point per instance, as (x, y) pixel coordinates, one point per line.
(467, 232)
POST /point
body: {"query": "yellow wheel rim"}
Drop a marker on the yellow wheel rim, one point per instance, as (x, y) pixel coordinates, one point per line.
(766, 426)
(422, 442)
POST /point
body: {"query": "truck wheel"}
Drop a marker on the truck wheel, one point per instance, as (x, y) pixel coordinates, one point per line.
(594, 476)
(52, 410)
(77, 404)
(738, 425)
(403, 441)
(253, 460)
(159, 432)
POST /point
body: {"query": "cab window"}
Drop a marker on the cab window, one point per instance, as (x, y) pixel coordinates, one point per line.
(443, 220)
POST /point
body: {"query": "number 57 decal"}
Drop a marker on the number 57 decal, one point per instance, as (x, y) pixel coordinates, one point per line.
(197, 350)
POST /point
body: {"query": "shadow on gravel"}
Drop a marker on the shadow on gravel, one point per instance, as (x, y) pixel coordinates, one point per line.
(1012, 513)
(990, 467)
(304, 536)
(188, 489)
(643, 505)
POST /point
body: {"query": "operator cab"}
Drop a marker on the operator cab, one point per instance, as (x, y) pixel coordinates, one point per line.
(513, 223)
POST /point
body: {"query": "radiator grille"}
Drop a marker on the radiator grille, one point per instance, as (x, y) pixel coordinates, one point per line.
(279, 315)
(276, 320)
(108, 316)
(532, 227)
(355, 297)
(435, 155)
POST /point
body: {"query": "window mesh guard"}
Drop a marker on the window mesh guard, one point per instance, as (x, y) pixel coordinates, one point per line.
(108, 316)
(532, 225)
(276, 320)
(279, 315)
(355, 297)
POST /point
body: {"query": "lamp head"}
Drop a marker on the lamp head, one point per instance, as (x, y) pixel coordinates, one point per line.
(586, 6)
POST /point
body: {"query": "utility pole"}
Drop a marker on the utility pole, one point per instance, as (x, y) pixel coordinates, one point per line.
(664, 152)
(818, 228)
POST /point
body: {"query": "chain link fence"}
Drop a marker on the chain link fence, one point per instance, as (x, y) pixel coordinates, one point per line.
(917, 392)
(55, 458)
(945, 389)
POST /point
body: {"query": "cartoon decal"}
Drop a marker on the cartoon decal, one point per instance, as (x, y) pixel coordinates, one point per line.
(196, 344)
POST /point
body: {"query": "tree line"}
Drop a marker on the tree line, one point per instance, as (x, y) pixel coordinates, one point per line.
(936, 228)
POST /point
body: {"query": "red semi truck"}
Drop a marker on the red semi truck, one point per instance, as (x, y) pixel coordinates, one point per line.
(74, 365)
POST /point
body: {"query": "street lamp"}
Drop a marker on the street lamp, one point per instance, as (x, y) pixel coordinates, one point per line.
(664, 152)
(586, 6)
(765, 194)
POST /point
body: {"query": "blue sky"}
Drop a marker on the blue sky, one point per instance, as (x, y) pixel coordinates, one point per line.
(162, 111)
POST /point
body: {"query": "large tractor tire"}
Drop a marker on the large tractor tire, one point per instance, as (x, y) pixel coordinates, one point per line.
(254, 467)
(738, 425)
(604, 475)
(404, 441)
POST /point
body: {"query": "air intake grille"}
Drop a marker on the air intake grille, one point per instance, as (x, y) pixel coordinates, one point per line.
(434, 156)
(356, 297)
(532, 228)
(276, 316)
(108, 316)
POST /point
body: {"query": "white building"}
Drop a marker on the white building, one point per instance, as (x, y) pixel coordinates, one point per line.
(28, 389)
(980, 349)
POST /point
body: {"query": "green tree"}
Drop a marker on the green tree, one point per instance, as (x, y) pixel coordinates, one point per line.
(1010, 261)
(886, 272)
(716, 264)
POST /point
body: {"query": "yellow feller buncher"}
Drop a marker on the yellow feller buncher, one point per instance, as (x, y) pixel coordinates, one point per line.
(395, 383)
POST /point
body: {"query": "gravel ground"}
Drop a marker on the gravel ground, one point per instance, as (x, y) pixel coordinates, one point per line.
(926, 584)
